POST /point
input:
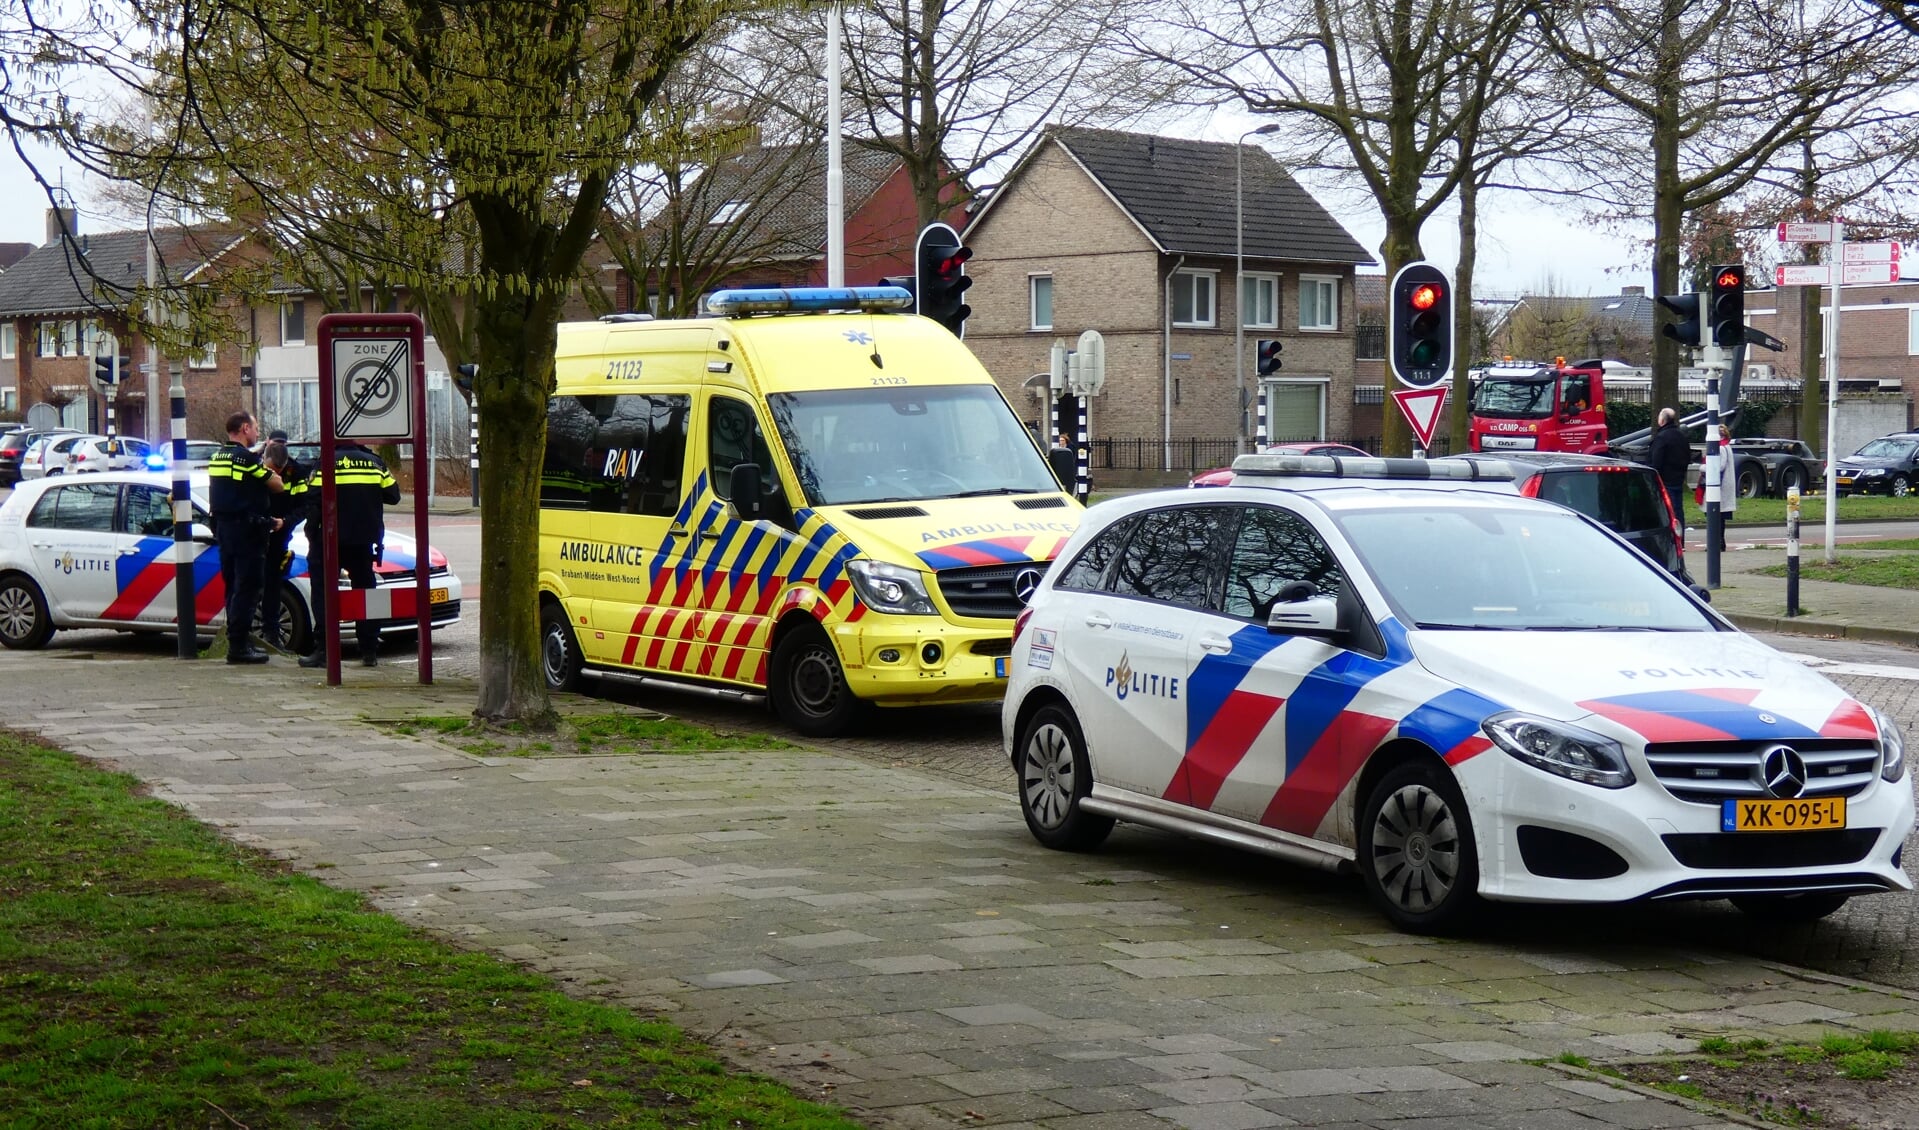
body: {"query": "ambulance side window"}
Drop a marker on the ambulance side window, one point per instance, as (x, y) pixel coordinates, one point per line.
(733, 437)
(616, 454)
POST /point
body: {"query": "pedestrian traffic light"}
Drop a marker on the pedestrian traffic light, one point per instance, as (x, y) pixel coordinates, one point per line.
(940, 280)
(1421, 326)
(1268, 356)
(1729, 304)
(467, 374)
(1686, 328)
(106, 370)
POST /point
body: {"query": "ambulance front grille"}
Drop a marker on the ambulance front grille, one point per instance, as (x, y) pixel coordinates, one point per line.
(1707, 772)
(1049, 502)
(985, 591)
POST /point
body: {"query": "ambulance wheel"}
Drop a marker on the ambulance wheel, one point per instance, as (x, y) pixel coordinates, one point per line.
(808, 686)
(1054, 778)
(296, 627)
(1416, 850)
(24, 623)
(1787, 909)
(559, 652)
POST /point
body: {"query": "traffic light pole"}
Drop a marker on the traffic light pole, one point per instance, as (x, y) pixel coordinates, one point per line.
(1715, 467)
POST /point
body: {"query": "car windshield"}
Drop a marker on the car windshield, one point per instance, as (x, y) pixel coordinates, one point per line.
(1885, 449)
(1485, 568)
(1514, 399)
(906, 443)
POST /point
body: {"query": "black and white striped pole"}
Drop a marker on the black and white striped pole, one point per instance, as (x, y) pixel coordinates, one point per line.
(1083, 444)
(467, 379)
(1715, 479)
(1259, 429)
(183, 594)
(1792, 552)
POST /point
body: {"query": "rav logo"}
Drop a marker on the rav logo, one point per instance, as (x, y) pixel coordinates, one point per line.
(1124, 681)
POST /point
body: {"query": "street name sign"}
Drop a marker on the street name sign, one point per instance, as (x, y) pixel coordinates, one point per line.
(1805, 233)
(1819, 274)
(1886, 251)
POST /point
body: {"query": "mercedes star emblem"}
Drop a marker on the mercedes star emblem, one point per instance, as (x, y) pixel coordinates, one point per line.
(1785, 771)
(1025, 583)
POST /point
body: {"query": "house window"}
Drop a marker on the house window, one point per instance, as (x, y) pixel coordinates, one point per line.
(1260, 307)
(293, 322)
(49, 344)
(727, 213)
(1318, 303)
(1042, 305)
(9, 401)
(1296, 410)
(69, 339)
(97, 342)
(9, 341)
(208, 358)
(1912, 333)
(1193, 293)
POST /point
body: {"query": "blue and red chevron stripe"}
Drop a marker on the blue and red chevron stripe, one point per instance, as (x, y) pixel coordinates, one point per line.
(985, 551)
(1723, 714)
(144, 574)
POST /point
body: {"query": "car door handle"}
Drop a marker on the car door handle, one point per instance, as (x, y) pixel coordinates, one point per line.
(1218, 645)
(709, 533)
(1098, 620)
(130, 551)
(677, 531)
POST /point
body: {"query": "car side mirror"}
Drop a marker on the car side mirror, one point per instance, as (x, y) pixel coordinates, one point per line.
(203, 533)
(748, 503)
(1702, 592)
(1310, 616)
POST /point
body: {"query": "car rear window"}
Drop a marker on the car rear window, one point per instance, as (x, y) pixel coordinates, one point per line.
(1624, 501)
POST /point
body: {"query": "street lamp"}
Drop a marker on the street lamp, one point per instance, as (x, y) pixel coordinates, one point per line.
(1239, 272)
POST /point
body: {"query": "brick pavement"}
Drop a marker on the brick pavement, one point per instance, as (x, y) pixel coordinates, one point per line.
(890, 939)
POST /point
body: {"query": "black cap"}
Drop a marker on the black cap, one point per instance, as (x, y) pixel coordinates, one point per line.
(279, 434)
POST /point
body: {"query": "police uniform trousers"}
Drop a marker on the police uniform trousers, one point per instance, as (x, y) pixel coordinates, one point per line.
(274, 570)
(357, 560)
(243, 547)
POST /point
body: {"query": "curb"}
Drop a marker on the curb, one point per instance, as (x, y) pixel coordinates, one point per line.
(1808, 626)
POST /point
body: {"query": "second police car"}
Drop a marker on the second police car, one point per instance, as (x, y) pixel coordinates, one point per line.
(1454, 690)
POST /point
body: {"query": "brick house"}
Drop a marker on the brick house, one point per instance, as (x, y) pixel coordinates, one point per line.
(55, 318)
(1133, 235)
(1878, 336)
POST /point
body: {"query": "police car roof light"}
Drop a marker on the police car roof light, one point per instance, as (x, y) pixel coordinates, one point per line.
(809, 300)
(1344, 467)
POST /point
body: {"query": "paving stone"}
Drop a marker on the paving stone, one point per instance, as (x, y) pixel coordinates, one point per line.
(1223, 1116)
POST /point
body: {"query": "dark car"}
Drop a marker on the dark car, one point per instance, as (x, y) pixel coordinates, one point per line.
(1223, 476)
(13, 445)
(1887, 465)
(1623, 496)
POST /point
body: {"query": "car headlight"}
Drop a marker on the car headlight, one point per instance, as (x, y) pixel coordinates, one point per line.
(1892, 746)
(1561, 749)
(891, 588)
(1868, 473)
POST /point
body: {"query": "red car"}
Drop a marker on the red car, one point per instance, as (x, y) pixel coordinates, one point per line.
(1223, 476)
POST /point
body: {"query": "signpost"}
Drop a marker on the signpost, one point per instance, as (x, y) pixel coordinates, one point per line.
(1835, 234)
(1820, 274)
(372, 388)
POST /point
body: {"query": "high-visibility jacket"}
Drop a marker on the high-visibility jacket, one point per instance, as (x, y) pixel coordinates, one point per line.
(363, 487)
(237, 484)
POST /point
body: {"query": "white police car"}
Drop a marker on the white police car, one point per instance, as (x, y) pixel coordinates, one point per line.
(1455, 690)
(97, 552)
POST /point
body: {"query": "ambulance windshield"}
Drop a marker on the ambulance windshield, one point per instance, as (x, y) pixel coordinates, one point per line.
(907, 444)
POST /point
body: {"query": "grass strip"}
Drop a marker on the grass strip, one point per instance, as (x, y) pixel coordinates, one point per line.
(598, 735)
(1812, 510)
(1893, 571)
(155, 975)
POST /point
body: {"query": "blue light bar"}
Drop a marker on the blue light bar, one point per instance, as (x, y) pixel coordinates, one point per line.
(808, 300)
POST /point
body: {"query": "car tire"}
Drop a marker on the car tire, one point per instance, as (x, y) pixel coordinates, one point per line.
(1900, 487)
(1055, 776)
(24, 622)
(807, 685)
(560, 658)
(1751, 481)
(1790, 909)
(1417, 855)
(1793, 475)
(296, 627)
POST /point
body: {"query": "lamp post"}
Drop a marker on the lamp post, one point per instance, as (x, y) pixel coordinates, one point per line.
(1239, 274)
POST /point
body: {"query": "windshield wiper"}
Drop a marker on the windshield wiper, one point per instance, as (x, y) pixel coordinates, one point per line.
(1429, 626)
(993, 490)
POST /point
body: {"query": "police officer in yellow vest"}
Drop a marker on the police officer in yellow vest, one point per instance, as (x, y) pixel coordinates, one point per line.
(239, 489)
(363, 487)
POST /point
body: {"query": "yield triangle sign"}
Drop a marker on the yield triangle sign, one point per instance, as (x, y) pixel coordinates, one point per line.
(1421, 407)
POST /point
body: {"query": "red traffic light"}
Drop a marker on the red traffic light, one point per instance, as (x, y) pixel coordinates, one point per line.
(1424, 296)
(1729, 277)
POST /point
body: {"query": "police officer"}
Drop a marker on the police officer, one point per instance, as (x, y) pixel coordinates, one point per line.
(240, 488)
(363, 487)
(287, 508)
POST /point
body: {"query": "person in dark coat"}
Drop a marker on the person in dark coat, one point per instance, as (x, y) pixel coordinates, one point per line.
(240, 489)
(363, 488)
(1670, 455)
(287, 508)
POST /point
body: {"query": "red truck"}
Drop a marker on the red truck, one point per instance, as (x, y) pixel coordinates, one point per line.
(1532, 406)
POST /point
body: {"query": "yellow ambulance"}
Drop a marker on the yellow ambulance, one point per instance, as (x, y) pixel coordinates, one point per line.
(809, 495)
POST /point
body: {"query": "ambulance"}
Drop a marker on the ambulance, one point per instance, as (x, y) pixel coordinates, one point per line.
(809, 495)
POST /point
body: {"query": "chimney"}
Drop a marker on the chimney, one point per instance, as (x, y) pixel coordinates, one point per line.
(1632, 292)
(61, 219)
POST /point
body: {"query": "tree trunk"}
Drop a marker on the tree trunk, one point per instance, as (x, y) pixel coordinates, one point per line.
(1459, 416)
(1668, 208)
(516, 374)
(1812, 367)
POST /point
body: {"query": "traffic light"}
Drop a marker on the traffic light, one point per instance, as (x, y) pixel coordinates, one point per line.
(466, 375)
(1268, 356)
(940, 280)
(1729, 304)
(106, 371)
(1421, 327)
(1686, 330)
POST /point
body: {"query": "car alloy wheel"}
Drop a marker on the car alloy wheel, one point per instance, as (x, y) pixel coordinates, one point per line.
(1416, 848)
(24, 622)
(1901, 486)
(1055, 776)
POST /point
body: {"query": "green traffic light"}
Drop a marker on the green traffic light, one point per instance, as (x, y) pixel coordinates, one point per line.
(1423, 354)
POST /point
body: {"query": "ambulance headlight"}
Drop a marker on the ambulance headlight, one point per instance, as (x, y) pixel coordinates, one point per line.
(886, 587)
(1561, 749)
(1892, 746)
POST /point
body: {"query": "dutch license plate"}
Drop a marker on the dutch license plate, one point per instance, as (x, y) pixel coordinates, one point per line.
(1843, 481)
(999, 666)
(1804, 815)
(437, 596)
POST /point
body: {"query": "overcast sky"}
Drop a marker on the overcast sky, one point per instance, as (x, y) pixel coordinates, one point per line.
(1525, 248)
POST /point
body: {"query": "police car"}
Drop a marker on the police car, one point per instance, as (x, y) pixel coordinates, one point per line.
(1401, 668)
(97, 552)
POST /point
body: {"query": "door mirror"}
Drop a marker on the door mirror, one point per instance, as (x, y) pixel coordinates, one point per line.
(203, 533)
(1309, 616)
(748, 503)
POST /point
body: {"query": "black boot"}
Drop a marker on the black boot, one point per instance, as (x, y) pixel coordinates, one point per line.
(313, 659)
(246, 653)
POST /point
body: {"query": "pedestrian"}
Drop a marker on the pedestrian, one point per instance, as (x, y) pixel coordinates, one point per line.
(1723, 479)
(1670, 455)
(288, 508)
(363, 487)
(240, 489)
(1064, 461)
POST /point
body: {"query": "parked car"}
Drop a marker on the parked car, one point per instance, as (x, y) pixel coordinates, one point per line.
(93, 454)
(199, 453)
(1456, 691)
(1223, 476)
(1887, 465)
(14, 446)
(95, 551)
(1625, 497)
(48, 455)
